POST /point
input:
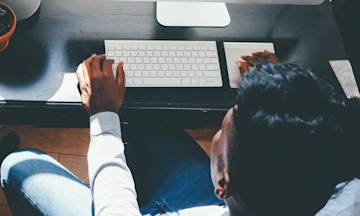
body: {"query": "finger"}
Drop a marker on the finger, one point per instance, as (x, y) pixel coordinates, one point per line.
(243, 66)
(87, 70)
(272, 57)
(80, 77)
(120, 75)
(261, 55)
(251, 60)
(79, 74)
(107, 68)
(96, 63)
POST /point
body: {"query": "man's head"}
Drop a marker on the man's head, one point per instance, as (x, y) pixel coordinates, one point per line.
(276, 150)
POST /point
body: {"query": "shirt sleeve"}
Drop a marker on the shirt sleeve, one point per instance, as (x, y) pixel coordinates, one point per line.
(111, 182)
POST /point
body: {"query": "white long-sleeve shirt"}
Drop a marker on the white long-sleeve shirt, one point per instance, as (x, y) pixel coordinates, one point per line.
(113, 187)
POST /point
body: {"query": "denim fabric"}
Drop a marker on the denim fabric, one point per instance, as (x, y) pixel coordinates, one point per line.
(36, 184)
(170, 170)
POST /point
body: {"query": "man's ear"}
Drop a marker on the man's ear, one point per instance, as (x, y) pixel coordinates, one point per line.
(222, 189)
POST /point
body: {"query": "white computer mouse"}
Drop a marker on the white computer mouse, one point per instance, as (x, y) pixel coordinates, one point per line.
(23, 8)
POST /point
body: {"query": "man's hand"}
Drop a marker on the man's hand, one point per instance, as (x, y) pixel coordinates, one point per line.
(255, 59)
(100, 91)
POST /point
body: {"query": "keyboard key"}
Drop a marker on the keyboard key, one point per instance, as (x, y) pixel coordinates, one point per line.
(172, 67)
(138, 81)
(138, 60)
(129, 81)
(195, 81)
(212, 73)
(184, 60)
(153, 60)
(192, 61)
(156, 67)
(138, 73)
(194, 67)
(149, 67)
(194, 54)
(146, 73)
(212, 67)
(130, 73)
(186, 81)
(179, 54)
(172, 53)
(161, 60)
(157, 53)
(202, 67)
(179, 67)
(210, 54)
(153, 73)
(131, 60)
(169, 60)
(164, 67)
(141, 66)
(214, 60)
(168, 81)
(146, 60)
(133, 67)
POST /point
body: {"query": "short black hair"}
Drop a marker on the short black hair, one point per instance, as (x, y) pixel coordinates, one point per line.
(286, 154)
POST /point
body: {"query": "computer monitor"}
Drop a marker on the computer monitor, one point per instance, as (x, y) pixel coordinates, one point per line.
(207, 13)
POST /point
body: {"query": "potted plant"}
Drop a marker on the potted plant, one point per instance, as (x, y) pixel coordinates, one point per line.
(7, 25)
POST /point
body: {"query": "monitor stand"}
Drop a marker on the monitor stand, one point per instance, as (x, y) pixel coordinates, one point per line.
(192, 14)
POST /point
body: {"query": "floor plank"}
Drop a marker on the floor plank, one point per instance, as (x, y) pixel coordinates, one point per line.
(203, 137)
(73, 141)
(77, 165)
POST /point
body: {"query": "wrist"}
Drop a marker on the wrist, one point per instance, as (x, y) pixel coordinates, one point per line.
(98, 111)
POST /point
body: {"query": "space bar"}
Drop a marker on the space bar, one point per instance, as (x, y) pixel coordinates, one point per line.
(162, 81)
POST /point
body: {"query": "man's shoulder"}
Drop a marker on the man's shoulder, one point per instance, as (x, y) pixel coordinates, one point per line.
(345, 201)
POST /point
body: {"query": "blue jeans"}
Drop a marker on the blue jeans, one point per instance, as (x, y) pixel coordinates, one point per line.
(170, 171)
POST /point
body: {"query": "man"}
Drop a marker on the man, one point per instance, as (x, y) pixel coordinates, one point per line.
(281, 150)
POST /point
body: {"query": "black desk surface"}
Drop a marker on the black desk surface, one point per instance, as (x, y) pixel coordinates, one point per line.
(50, 45)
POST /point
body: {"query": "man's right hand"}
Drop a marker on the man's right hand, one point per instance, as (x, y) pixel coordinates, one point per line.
(255, 59)
(100, 91)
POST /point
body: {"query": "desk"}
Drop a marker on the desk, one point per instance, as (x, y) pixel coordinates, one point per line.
(37, 71)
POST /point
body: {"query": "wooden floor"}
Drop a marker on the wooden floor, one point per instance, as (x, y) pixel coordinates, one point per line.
(69, 147)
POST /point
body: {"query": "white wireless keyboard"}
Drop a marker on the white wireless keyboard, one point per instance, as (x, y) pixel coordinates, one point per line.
(167, 63)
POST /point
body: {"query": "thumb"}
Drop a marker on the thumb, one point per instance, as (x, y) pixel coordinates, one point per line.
(120, 75)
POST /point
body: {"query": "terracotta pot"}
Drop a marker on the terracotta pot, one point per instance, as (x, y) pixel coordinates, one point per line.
(5, 39)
